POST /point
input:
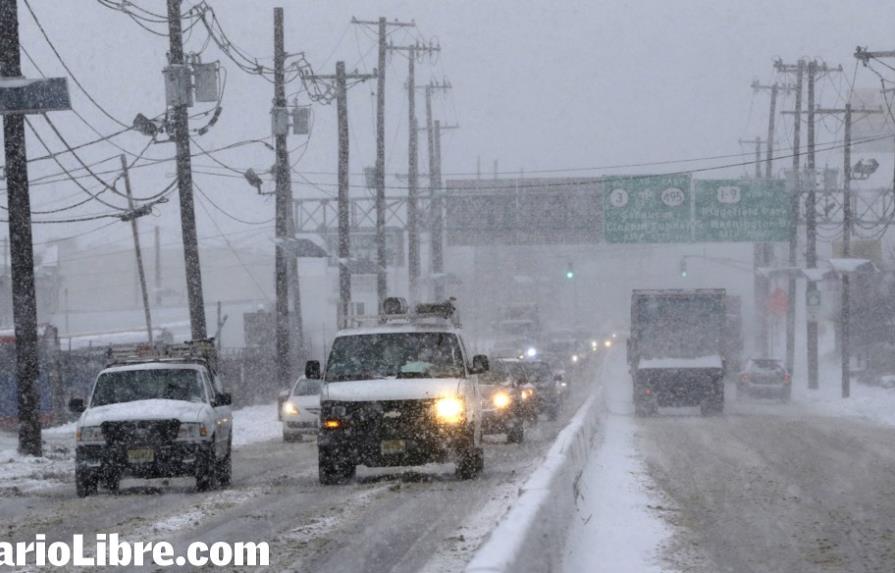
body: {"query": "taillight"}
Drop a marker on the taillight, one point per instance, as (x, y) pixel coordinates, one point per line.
(648, 392)
(786, 378)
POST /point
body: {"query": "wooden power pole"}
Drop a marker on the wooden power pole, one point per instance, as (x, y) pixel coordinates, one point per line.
(185, 183)
(24, 303)
(141, 273)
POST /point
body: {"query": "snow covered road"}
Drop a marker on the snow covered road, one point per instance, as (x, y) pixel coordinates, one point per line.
(383, 521)
(801, 487)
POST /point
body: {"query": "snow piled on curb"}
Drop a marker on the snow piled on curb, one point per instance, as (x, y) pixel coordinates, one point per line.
(872, 403)
(614, 528)
(256, 424)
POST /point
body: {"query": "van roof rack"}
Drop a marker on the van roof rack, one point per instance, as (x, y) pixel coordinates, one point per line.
(396, 311)
(200, 351)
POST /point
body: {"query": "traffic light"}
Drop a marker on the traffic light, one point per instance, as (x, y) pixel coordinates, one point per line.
(570, 271)
(683, 267)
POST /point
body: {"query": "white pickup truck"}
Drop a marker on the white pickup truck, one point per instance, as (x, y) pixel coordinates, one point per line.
(401, 393)
(154, 412)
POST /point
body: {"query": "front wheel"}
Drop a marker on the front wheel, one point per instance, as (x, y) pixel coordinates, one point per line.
(225, 467)
(85, 483)
(516, 434)
(471, 463)
(206, 470)
(334, 469)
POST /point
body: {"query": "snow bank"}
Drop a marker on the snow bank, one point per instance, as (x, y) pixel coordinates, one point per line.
(615, 528)
(532, 535)
(256, 424)
(873, 403)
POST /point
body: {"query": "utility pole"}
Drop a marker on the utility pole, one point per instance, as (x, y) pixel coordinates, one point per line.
(381, 262)
(341, 88)
(283, 204)
(185, 184)
(137, 251)
(24, 304)
(435, 245)
(413, 242)
(158, 266)
(437, 239)
(799, 70)
(811, 228)
(413, 238)
(847, 216)
(757, 142)
(845, 311)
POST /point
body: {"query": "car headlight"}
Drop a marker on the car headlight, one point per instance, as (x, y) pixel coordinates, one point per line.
(501, 400)
(449, 410)
(90, 435)
(191, 431)
(526, 393)
(574, 358)
(290, 409)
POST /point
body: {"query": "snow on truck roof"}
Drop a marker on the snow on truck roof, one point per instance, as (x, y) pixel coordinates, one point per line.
(155, 365)
(398, 328)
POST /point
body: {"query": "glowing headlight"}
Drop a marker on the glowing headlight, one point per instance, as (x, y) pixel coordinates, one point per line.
(90, 435)
(290, 409)
(449, 410)
(501, 400)
(608, 343)
(526, 393)
(192, 431)
(531, 352)
(574, 358)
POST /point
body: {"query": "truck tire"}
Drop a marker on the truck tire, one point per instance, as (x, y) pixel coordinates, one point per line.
(111, 479)
(225, 466)
(206, 470)
(471, 463)
(85, 483)
(333, 469)
(713, 404)
(516, 433)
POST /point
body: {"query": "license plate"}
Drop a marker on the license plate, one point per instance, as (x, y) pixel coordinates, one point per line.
(141, 456)
(391, 447)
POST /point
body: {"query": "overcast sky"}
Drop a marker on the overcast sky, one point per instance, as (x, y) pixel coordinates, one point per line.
(538, 85)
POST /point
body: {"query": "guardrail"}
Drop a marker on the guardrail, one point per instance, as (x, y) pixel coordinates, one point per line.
(531, 536)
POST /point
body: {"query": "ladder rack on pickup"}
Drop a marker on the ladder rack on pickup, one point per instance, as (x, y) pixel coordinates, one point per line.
(201, 351)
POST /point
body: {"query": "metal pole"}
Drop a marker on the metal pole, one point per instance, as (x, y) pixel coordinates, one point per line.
(381, 274)
(158, 266)
(438, 221)
(137, 251)
(185, 185)
(413, 237)
(283, 357)
(811, 229)
(845, 311)
(757, 158)
(344, 222)
(794, 226)
(24, 305)
(769, 143)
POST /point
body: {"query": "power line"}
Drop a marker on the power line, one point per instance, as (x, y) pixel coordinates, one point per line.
(228, 215)
(67, 69)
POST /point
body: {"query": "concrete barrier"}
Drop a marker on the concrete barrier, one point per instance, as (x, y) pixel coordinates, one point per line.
(531, 536)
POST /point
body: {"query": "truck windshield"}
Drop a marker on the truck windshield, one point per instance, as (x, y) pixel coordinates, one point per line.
(398, 355)
(155, 384)
(680, 327)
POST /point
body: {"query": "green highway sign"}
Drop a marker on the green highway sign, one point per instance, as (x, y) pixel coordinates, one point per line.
(731, 210)
(647, 209)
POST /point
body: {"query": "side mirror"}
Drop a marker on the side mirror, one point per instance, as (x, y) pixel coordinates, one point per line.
(224, 399)
(76, 405)
(480, 364)
(312, 370)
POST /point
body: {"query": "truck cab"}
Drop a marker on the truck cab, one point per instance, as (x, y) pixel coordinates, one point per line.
(154, 411)
(401, 391)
